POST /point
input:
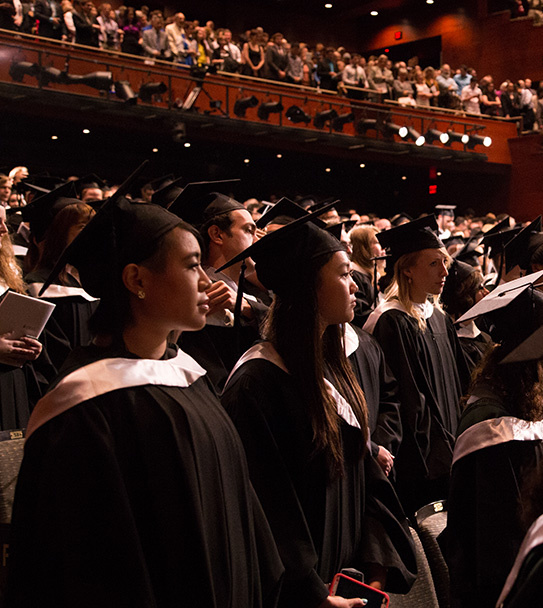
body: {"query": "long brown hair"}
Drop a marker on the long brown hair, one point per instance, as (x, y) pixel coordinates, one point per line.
(293, 327)
(9, 270)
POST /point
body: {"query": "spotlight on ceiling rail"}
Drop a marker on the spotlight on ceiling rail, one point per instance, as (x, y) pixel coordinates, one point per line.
(391, 128)
(463, 138)
(152, 91)
(367, 124)
(434, 135)
(101, 81)
(124, 91)
(19, 69)
(342, 120)
(269, 107)
(321, 118)
(296, 115)
(479, 140)
(243, 103)
(415, 136)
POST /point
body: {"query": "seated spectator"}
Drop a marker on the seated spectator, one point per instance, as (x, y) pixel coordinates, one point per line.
(276, 59)
(110, 33)
(295, 69)
(252, 55)
(86, 28)
(402, 89)
(327, 70)
(462, 79)
(489, 101)
(131, 27)
(426, 88)
(49, 15)
(154, 40)
(448, 89)
(354, 74)
(470, 97)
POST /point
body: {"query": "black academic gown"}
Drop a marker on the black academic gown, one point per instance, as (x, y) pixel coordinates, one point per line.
(432, 374)
(484, 530)
(137, 497)
(380, 389)
(474, 349)
(319, 526)
(68, 326)
(523, 587)
(365, 296)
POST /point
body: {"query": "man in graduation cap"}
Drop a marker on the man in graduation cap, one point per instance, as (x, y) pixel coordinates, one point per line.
(445, 220)
(227, 228)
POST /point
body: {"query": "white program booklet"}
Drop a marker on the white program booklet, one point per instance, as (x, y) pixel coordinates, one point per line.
(23, 315)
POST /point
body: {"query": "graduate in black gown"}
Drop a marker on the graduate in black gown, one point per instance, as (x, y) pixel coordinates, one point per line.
(423, 352)
(499, 444)
(303, 421)
(19, 386)
(463, 288)
(134, 489)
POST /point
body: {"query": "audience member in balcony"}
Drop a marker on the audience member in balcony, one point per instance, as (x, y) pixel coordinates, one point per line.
(510, 101)
(489, 101)
(535, 12)
(110, 33)
(380, 77)
(86, 28)
(448, 89)
(252, 55)
(233, 49)
(327, 70)
(308, 68)
(526, 107)
(354, 74)
(174, 32)
(470, 97)
(49, 15)
(210, 34)
(426, 93)
(462, 78)
(131, 33)
(154, 40)
(295, 69)
(403, 90)
(201, 48)
(68, 21)
(276, 59)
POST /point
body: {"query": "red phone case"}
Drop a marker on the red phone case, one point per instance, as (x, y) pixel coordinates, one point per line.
(348, 587)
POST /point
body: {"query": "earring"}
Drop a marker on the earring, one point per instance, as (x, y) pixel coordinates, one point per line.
(141, 294)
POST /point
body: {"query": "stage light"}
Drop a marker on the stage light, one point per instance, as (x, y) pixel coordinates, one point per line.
(391, 128)
(433, 135)
(415, 136)
(323, 117)
(296, 115)
(243, 103)
(343, 119)
(453, 136)
(18, 70)
(124, 91)
(101, 81)
(367, 124)
(479, 140)
(149, 90)
(269, 107)
(51, 74)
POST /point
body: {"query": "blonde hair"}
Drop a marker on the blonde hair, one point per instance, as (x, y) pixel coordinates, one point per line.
(361, 238)
(400, 287)
(9, 270)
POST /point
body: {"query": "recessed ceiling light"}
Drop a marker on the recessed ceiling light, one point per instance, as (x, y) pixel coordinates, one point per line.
(328, 5)
(187, 144)
(429, 1)
(362, 165)
(438, 173)
(86, 131)
(246, 161)
(374, 13)
(279, 156)
(404, 177)
(155, 149)
(54, 136)
(328, 169)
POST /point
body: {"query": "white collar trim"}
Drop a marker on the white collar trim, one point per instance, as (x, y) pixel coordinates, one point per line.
(496, 431)
(427, 309)
(59, 291)
(266, 351)
(107, 375)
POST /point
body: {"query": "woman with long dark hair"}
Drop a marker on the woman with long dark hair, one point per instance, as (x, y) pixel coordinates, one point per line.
(134, 489)
(303, 420)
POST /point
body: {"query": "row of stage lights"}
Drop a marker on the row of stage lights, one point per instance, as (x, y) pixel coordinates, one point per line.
(101, 81)
(337, 121)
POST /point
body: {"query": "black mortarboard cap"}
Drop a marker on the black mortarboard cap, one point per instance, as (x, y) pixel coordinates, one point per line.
(42, 210)
(284, 208)
(408, 238)
(282, 257)
(469, 253)
(337, 229)
(519, 250)
(513, 311)
(201, 201)
(529, 350)
(167, 193)
(88, 181)
(400, 218)
(445, 210)
(47, 182)
(496, 241)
